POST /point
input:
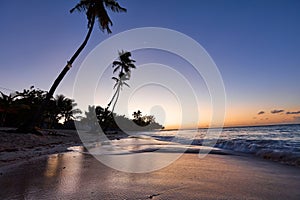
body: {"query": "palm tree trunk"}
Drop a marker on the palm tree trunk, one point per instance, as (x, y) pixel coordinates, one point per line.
(113, 108)
(108, 105)
(36, 119)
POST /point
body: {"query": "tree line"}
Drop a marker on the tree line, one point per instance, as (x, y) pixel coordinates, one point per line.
(17, 108)
(61, 113)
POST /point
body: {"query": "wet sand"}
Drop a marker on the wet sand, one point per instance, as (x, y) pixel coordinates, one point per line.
(80, 176)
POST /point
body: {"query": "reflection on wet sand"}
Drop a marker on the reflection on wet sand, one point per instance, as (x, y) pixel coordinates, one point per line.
(67, 171)
(139, 154)
(51, 168)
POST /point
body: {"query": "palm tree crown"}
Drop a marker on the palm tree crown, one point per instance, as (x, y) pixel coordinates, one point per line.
(96, 9)
(137, 115)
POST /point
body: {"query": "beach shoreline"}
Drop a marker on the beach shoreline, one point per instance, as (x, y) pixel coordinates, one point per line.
(19, 147)
(42, 167)
(73, 175)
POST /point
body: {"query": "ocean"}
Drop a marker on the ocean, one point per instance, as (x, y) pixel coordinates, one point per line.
(275, 142)
(280, 143)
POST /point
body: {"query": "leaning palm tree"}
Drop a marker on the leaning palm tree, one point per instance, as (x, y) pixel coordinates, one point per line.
(94, 10)
(124, 65)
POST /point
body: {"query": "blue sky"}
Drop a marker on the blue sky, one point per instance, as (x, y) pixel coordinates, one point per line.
(255, 44)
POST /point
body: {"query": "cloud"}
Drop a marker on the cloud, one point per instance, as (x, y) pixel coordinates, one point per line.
(277, 111)
(293, 113)
(261, 113)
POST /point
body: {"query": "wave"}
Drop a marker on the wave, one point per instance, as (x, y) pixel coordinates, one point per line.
(277, 142)
(268, 149)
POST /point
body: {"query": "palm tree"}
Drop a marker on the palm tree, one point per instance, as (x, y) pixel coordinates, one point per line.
(71, 112)
(64, 108)
(94, 10)
(124, 65)
(137, 115)
(90, 118)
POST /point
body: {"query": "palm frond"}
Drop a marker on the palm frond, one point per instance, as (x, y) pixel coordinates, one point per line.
(124, 57)
(116, 69)
(116, 84)
(3, 95)
(131, 65)
(126, 84)
(116, 79)
(81, 6)
(104, 21)
(114, 6)
(115, 63)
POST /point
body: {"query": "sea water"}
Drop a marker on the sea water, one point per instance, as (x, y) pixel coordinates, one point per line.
(275, 142)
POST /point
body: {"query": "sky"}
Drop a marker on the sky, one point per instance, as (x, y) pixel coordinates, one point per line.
(254, 44)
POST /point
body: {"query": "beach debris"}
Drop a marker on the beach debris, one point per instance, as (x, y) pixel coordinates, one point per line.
(153, 195)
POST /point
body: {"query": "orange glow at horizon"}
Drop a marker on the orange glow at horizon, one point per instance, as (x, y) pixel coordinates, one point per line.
(246, 117)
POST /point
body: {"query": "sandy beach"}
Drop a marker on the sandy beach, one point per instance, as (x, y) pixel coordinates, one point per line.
(16, 148)
(80, 176)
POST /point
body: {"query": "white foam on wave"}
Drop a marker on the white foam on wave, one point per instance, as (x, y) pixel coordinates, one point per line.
(139, 144)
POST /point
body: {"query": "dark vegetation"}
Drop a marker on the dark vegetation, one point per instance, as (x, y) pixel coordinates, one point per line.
(17, 108)
(61, 113)
(109, 121)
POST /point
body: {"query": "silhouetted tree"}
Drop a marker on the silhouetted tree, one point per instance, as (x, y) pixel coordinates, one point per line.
(137, 115)
(7, 106)
(94, 10)
(124, 65)
(146, 122)
(111, 121)
(16, 108)
(64, 108)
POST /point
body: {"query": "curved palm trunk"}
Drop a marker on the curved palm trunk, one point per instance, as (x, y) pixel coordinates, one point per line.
(112, 99)
(36, 119)
(113, 108)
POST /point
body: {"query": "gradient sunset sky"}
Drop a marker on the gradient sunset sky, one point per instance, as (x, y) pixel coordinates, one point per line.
(254, 43)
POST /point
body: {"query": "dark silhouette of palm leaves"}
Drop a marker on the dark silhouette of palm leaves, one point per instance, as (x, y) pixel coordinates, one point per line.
(137, 115)
(96, 8)
(64, 108)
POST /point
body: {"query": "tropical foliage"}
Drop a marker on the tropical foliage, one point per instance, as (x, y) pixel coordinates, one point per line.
(17, 108)
(109, 121)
